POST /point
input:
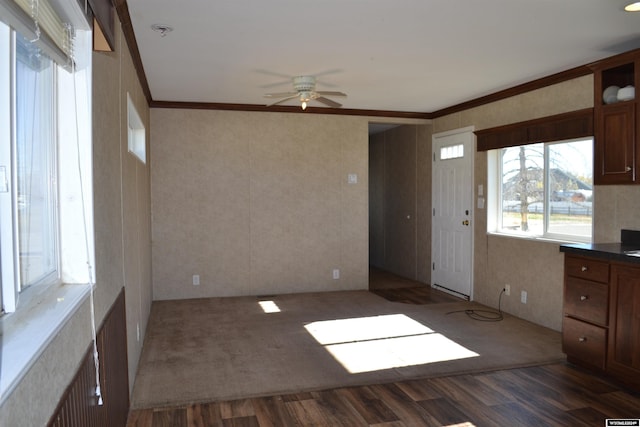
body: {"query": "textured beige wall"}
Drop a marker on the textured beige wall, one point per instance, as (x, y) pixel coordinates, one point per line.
(135, 213)
(424, 166)
(377, 148)
(122, 244)
(257, 203)
(400, 201)
(535, 266)
(121, 197)
(616, 207)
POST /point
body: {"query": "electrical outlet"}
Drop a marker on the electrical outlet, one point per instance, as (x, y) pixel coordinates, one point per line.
(336, 274)
(523, 297)
(507, 289)
(196, 280)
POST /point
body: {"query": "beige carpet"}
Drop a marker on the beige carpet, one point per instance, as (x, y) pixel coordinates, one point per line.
(228, 348)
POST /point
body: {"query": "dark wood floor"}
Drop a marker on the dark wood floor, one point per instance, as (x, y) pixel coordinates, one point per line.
(400, 289)
(552, 395)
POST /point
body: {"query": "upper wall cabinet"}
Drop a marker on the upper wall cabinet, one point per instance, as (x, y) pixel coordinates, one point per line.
(617, 119)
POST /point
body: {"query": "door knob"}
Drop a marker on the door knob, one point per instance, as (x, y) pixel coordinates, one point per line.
(465, 222)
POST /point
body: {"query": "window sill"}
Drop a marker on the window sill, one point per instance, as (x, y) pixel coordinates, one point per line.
(25, 334)
(560, 241)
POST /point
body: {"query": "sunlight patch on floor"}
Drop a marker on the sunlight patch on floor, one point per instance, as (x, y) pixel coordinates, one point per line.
(375, 343)
(269, 306)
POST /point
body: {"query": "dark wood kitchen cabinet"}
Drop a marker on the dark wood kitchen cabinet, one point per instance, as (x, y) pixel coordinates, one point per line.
(601, 316)
(623, 355)
(616, 122)
(586, 311)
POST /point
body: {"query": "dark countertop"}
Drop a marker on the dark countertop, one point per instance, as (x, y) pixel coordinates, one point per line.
(606, 251)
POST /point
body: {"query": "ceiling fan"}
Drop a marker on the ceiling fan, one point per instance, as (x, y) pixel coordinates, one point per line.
(305, 90)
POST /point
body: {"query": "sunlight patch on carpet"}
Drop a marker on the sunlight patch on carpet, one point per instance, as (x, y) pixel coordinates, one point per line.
(367, 344)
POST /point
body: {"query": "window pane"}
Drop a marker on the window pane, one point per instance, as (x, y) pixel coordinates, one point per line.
(571, 188)
(452, 152)
(35, 164)
(523, 189)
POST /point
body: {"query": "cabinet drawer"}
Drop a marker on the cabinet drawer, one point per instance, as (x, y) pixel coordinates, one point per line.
(584, 341)
(587, 300)
(586, 268)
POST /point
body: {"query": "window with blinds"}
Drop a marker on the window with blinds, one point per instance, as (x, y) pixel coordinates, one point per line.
(46, 232)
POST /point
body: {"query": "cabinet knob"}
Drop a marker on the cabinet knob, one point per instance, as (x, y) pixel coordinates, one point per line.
(584, 268)
(582, 339)
(628, 168)
(584, 297)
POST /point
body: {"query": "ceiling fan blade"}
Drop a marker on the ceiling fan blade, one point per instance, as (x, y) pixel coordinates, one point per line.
(275, 84)
(328, 102)
(331, 71)
(273, 73)
(330, 93)
(280, 95)
(295, 95)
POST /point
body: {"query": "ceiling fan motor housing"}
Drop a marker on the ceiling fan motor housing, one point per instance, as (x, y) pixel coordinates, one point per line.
(304, 83)
(305, 91)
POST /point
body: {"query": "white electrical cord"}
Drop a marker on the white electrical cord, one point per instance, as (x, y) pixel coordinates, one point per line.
(96, 357)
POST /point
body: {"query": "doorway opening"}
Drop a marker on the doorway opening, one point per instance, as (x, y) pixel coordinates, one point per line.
(399, 206)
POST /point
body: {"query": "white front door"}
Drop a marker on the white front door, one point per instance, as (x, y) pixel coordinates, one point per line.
(452, 220)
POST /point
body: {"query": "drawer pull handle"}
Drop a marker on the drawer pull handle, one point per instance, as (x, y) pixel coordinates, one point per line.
(582, 339)
(584, 268)
(584, 297)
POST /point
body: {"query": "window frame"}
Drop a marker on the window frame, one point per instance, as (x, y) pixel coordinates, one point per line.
(52, 276)
(495, 186)
(10, 234)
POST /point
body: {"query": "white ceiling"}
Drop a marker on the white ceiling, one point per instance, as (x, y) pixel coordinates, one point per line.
(394, 55)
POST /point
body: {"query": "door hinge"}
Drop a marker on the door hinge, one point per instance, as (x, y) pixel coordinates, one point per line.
(434, 157)
(433, 266)
(434, 211)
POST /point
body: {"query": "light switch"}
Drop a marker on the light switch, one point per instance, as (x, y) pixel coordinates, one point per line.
(352, 178)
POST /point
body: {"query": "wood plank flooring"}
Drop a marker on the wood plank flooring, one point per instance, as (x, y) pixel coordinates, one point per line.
(415, 295)
(399, 289)
(551, 395)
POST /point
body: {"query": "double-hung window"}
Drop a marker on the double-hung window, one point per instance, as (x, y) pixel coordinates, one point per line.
(28, 203)
(44, 74)
(32, 204)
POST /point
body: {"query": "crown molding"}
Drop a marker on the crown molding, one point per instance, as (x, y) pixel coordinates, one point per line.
(288, 109)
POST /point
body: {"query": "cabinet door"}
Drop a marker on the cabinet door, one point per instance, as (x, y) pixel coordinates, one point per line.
(614, 144)
(624, 324)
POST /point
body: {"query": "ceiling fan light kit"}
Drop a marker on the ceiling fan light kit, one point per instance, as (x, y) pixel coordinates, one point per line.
(305, 91)
(633, 7)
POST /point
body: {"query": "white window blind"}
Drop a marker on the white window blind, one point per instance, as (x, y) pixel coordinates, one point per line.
(48, 23)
